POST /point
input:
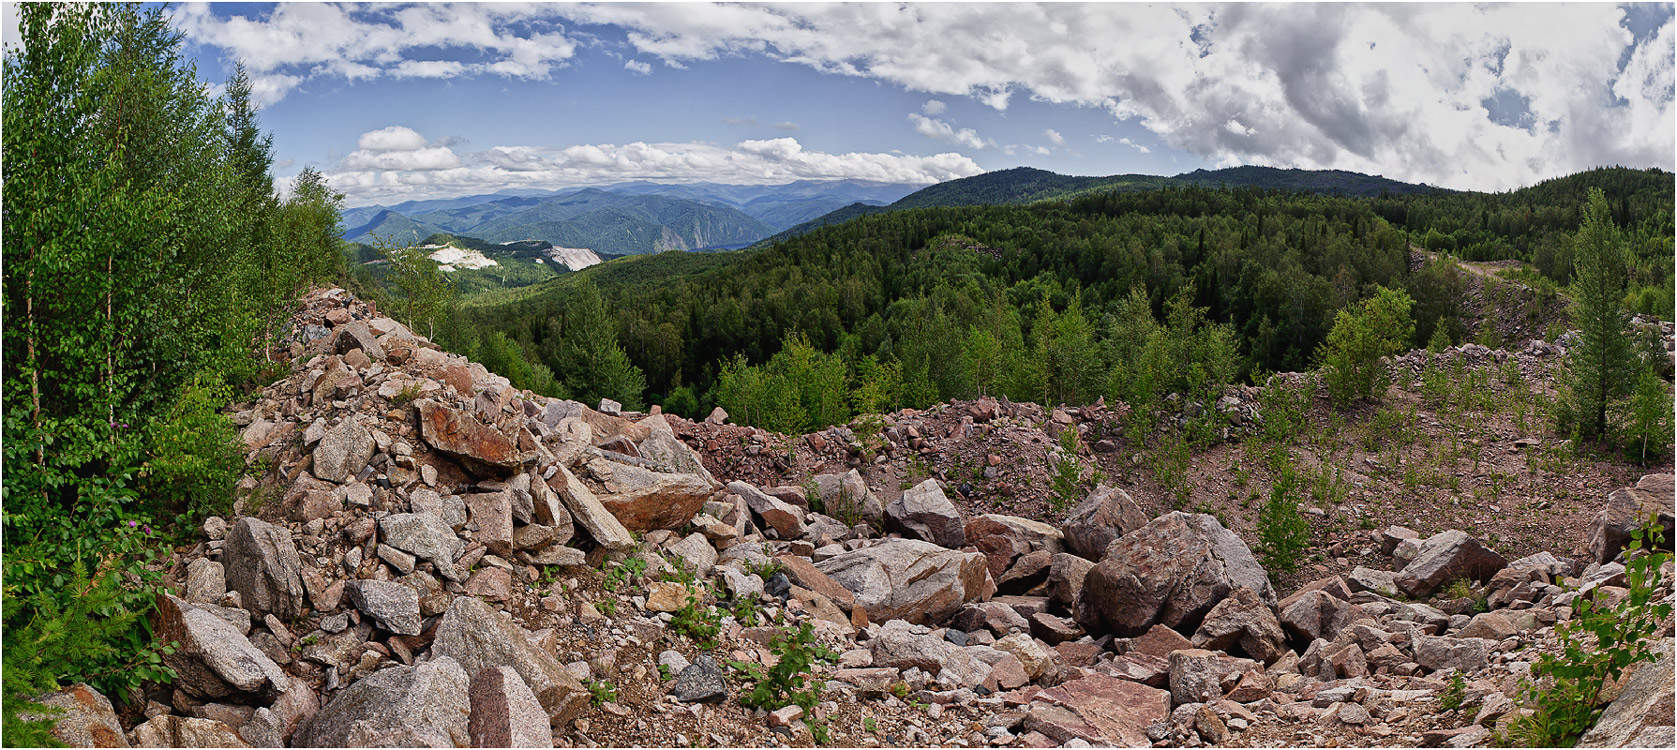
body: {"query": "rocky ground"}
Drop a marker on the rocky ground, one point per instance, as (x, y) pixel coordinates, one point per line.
(425, 556)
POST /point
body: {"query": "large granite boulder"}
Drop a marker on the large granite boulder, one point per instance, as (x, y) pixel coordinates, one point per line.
(1242, 623)
(924, 512)
(460, 434)
(848, 497)
(908, 579)
(1308, 615)
(213, 658)
(1628, 509)
(479, 637)
(343, 451)
(1641, 715)
(786, 519)
(586, 509)
(262, 565)
(1004, 539)
(1171, 571)
(1108, 513)
(505, 713)
(393, 605)
(87, 718)
(1444, 557)
(642, 499)
(426, 536)
(425, 705)
(1100, 710)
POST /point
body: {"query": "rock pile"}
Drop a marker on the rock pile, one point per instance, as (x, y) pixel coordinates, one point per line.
(417, 566)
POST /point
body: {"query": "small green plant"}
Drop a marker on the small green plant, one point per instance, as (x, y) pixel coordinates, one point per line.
(620, 573)
(1597, 645)
(1451, 698)
(819, 731)
(786, 683)
(766, 569)
(407, 395)
(869, 725)
(698, 621)
(748, 610)
(601, 691)
(1283, 531)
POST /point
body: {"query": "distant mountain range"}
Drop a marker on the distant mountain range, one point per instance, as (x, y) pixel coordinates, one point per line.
(621, 219)
(1028, 185)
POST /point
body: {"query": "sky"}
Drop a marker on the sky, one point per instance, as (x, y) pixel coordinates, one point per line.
(396, 102)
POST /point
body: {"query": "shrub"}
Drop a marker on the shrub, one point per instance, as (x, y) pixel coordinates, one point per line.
(1350, 357)
(1283, 531)
(784, 684)
(1649, 431)
(194, 457)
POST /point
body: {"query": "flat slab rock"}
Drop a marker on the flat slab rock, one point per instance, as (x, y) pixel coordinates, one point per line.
(1100, 710)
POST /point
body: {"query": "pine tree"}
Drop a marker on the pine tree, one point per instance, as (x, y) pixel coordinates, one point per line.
(1600, 365)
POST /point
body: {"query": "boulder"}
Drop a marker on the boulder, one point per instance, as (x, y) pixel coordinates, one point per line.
(426, 705)
(1027, 573)
(1308, 615)
(1444, 557)
(1171, 571)
(587, 510)
(1628, 509)
(343, 451)
(423, 535)
(695, 553)
(924, 512)
(642, 499)
(1643, 709)
(801, 571)
(262, 565)
(848, 498)
(1436, 652)
(478, 637)
(995, 617)
(701, 681)
(458, 433)
(1004, 538)
(394, 605)
(87, 718)
(214, 659)
(206, 581)
(786, 519)
(356, 335)
(1099, 710)
(909, 579)
(1102, 517)
(505, 713)
(1243, 623)
(491, 514)
(1066, 573)
(1196, 676)
(183, 731)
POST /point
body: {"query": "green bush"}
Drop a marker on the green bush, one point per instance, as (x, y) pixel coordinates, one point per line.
(194, 455)
(1350, 357)
(787, 682)
(1283, 532)
(1649, 431)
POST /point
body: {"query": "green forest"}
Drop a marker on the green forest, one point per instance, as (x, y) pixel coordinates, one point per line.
(148, 258)
(1054, 301)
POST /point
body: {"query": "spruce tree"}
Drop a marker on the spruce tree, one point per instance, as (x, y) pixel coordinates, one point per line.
(1600, 364)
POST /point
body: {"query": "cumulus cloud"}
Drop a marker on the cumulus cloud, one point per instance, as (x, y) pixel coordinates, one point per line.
(786, 125)
(933, 107)
(943, 131)
(392, 165)
(636, 66)
(1054, 137)
(294, 42)
(1391, 89)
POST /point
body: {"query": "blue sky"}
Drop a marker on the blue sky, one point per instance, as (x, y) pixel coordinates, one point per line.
(398, 102)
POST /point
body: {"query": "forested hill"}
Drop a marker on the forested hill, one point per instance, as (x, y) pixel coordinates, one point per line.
(1026, 185)
(920, 289)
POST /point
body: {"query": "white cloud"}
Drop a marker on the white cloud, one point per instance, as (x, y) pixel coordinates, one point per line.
(636, 66)
(404, 169)
(785, 125)
(393, 138)
(1054, 137)
(1391, 89)
(1136, 146)
(933, 107)
(295, 42)
(943, 131)
(1041, 150)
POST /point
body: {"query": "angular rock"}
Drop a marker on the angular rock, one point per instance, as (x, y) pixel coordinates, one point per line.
(460, 434)
(695, 553)
(213, 659)
(1171, 571)
(909, 579)
(491, 514)
(182, 731)
(478, 637)
(1242, 623)
(426, 705)
(206, 581)
(804, 573)
(586, 509)
(642, 499)
(1436, 652)
(1643, 709)
(1196, 676)
(995, 617)
(1308, 615)
(1107, 514)
(393, 605)
(848, 498)
(785, 518)
(1066, 573)
(701, 682)
(505, 713)
(87, 718)
(343, 451)
(262, 565)
(924, 512)
(423, 535)
(1029, 571)
(1159, 641)
(1378, 581)
(1004, 538)
(1099, 710)
(1444, 557)
(1628, 509)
